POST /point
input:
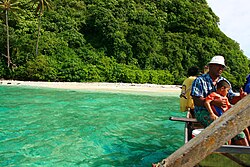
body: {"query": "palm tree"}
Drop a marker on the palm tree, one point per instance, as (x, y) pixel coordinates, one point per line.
(41, 5)
(7, 6)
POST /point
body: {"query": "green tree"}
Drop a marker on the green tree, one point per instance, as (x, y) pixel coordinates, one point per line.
(7, 6)
(140, 41)
(41, 6)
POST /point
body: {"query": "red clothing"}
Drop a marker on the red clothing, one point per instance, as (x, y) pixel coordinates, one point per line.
(215, 95)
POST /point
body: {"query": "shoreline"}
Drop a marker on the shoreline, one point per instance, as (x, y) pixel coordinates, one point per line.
(97, 86)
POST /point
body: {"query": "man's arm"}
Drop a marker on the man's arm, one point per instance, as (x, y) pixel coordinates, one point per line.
(235, 99)
(199, 101)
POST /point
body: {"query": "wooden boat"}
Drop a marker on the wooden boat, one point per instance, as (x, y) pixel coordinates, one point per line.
(226, 155)
(199, 149)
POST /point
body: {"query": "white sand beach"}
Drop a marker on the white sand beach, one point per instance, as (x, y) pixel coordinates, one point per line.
(97, 86)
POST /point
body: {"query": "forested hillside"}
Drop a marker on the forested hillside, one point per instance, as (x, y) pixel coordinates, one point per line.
(135, 41)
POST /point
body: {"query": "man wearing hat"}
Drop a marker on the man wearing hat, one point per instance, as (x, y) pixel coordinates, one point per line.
(206, 84)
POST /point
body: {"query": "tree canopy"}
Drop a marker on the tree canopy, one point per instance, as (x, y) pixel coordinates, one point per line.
(139, 41)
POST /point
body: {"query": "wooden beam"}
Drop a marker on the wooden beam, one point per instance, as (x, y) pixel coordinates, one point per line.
(233, 149)
(181, 119)
(219, 132)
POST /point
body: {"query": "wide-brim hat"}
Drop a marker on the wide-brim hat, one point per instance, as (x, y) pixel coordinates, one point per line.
(218, 60)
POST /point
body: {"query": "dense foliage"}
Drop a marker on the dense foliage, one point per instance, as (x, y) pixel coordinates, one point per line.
(139, 41)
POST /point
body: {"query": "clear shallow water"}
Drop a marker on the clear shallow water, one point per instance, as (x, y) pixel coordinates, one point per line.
(50, 127)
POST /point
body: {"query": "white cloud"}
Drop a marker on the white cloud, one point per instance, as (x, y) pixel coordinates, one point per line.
(234, 20)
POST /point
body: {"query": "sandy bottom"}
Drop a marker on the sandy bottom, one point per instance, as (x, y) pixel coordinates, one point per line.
(104, 86)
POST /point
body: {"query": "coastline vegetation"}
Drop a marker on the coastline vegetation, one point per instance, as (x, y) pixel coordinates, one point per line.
(133, 41)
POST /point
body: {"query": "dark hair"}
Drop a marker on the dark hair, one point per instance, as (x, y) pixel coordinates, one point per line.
(223, 83)
(193, 71)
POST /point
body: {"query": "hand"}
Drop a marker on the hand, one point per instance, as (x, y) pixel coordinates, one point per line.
(242, 93)
(220, 102)
(213, 116)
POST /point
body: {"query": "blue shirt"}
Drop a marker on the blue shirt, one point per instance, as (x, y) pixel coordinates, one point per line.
(247, 88)
(203, 86)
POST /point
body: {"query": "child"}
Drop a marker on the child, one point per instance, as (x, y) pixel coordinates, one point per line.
(221, 92)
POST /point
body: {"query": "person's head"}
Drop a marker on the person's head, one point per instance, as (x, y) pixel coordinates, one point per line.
(193, 71)
(223, 87)
(206, 69)
(216, 66)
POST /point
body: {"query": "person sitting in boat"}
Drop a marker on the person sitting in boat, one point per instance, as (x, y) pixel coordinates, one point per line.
(247, 84)
(247, 90)
(186, 100)
(205, 85)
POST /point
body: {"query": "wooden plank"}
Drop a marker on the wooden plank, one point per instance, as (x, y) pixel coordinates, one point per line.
(233, 149)
(214, 136)
(182, 119)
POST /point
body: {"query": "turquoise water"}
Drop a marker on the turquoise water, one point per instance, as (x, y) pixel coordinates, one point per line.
(52, 127)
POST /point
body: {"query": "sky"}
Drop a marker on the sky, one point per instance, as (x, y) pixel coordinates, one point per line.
(234, 20)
